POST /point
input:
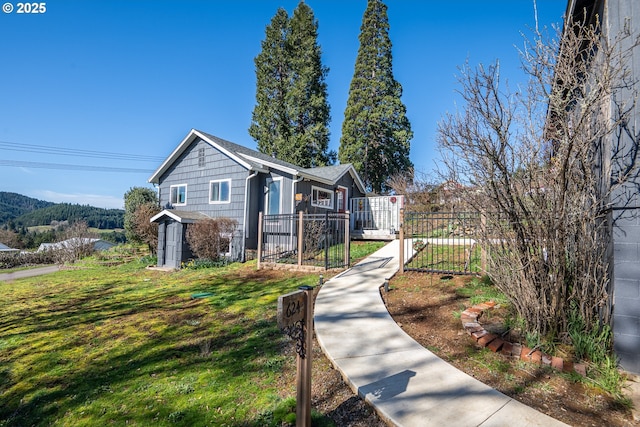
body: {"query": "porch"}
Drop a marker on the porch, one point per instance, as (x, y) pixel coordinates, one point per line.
(375, 218)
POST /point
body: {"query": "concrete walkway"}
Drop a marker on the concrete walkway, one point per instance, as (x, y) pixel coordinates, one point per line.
(406, 383)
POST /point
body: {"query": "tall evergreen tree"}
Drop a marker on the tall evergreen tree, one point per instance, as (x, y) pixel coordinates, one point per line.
(309, 110)
(269, 121)
(291, 116)
(376, 132)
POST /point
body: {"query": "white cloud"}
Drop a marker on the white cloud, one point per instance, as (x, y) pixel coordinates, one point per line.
(100, 201)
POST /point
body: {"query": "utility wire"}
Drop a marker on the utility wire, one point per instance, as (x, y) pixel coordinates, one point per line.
(61, 166)
(74, 152)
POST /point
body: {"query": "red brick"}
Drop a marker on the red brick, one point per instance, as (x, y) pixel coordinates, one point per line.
(557, 363)
(479, 334)
(546, 359)
(536, 356)
(490, 303)
(516, 350)
(567, 366)
(524, 353)
(495, 345)
(483, 306)
(472, 327)
(581, 369)
(507, 347)
(466, 318)
(474, 310)
(486, 339)
(469, 315)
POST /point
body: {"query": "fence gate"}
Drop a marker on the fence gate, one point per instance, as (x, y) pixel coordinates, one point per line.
(311, 241)
(441, 242)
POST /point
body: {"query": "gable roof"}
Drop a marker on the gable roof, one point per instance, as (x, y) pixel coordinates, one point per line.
(184, 217)
(5, 248)
(255, 161)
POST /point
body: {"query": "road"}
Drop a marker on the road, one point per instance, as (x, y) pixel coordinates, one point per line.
(5, 277)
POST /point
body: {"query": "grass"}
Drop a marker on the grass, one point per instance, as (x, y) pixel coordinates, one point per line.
(128, 346)
(446, 258)
(480, 289)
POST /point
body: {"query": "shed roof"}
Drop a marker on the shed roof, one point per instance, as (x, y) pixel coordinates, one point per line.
(184, 217)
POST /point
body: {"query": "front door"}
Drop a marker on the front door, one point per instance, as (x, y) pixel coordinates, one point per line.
(341, 194)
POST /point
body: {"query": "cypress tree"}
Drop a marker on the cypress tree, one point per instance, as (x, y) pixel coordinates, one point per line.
(269, 121)
(376, 132)
(291, 116)
(309, 110)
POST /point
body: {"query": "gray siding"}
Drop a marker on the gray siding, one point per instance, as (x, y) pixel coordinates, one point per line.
(624, 14)
(305, 188)
(217, 166)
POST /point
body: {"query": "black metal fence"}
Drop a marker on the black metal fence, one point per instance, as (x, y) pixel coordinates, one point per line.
(319, 241)
(441, 242)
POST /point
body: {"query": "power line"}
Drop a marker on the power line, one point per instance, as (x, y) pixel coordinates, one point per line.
(61, 166)
(60, 151)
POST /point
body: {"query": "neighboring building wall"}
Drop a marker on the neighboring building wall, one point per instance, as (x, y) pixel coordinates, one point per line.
(624, 15)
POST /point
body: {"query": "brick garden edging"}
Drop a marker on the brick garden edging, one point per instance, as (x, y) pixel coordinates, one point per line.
(493, 342)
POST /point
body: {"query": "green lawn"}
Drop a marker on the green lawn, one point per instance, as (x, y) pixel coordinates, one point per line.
(101, 346)
(447, 258)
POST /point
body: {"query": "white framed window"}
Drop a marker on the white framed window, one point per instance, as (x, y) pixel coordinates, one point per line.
(273, 200)
(178, 194)
(321, 198)
(220, 191)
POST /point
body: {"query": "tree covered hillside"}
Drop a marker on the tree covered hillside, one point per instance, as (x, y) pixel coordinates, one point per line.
(13, 205)
(24, 211)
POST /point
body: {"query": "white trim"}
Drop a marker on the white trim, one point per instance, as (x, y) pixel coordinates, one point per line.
(345, 202)
(322, 205)
(272, 165)
(294, 184)
(219, 202)
(171, 187)
(267, 199)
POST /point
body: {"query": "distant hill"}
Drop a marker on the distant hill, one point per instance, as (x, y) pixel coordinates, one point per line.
(29, 212)
(13, 205)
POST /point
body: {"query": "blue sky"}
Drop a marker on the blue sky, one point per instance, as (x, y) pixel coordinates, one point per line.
(111, 87)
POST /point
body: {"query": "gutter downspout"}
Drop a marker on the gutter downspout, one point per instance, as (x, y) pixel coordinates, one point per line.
(292, 243)
(243, 257)
(293, 193)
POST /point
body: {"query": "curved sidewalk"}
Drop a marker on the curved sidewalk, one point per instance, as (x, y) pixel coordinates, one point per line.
(406, 383)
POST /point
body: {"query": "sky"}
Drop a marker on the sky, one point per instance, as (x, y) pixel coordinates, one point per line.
(96, 94)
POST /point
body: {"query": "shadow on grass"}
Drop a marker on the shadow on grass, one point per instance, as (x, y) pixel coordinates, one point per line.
(146, 340)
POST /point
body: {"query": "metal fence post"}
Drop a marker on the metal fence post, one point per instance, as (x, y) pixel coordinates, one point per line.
(347, 239)
(401, 240)
(300, 236)
(326, 240)
(259, 239)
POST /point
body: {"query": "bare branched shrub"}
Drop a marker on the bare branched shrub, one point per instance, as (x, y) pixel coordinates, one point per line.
(210, 238)
(313, 237)
(10, 238)
(543, 164)
(145, 230)
(77, 243)
(421, 194)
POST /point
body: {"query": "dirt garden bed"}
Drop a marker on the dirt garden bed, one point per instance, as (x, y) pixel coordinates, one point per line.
(429, 309)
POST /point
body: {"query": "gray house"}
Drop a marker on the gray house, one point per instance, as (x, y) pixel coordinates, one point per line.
(208, 177)
(615, 18)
